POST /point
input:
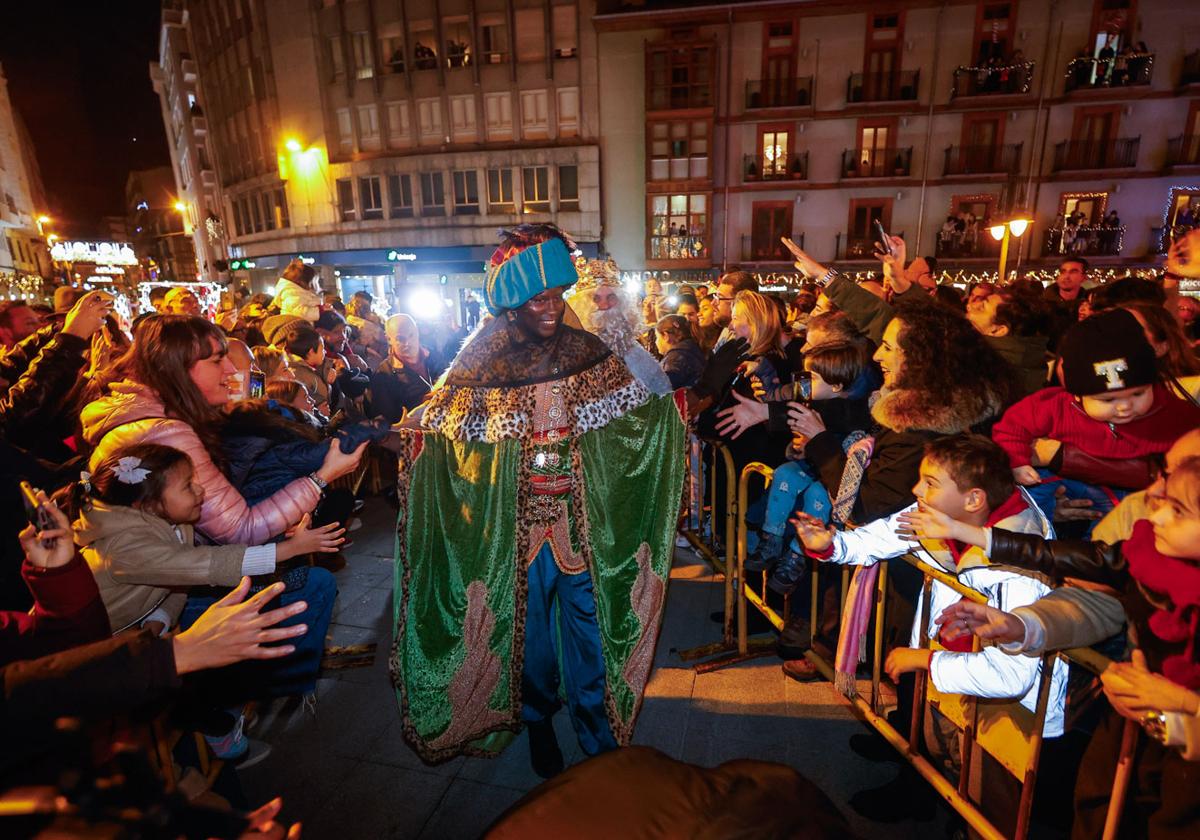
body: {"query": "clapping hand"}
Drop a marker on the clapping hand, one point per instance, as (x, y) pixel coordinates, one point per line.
(1133, 690)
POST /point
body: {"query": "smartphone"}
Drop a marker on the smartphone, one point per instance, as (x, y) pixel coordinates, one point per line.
(884, 240)
(37, 514)
(802, 387)
(258, 385)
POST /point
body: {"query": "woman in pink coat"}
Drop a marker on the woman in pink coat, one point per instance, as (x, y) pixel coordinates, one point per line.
(168, 389)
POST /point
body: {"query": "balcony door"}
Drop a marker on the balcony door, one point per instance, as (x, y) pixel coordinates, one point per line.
(881, 63)
(861, 237)
(1093, 135)
(994, 30)
(981, 140)
(771, 221)
(779, 63)
(876, 139)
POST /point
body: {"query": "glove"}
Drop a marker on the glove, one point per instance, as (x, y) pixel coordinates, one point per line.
(720, 367)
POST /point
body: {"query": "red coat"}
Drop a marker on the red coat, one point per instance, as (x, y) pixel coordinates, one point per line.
(1053, 413)
(67, 612)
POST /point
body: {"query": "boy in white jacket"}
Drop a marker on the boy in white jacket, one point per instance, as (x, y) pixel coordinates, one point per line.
(966, 477)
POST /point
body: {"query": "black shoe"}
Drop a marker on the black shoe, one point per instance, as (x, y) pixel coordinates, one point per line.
(770, 546)
(873, 747)
(788, 572)
(905, 797)
(544, 754)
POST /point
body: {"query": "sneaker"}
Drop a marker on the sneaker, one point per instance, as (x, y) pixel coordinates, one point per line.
(764, 558)
(256, 751)
(354, 525)
(682, 542)
(544, 754)
(233, 744)
(788, 572)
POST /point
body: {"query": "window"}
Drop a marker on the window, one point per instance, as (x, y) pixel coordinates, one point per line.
(345, 131)
(429, 117)
(400, 203)
(370, 195)
(391, 49)
(364, 58)
(534, 121)
(433, 194)
(457, 32)
(680, 76)
(679, 227)
(254, 211)
(239, 223)
(864, 212)
(281, 208)
(568, 112)
(268, 209)
(566, 37)
(535, 195)
(466, 192)
(771, 221)
(462, 117)
(531, 35)
(425, 45)
(568, 188)
(337, 62)
(399, 129)
(500, 190)
(345, 192)
(679, 150)
(493, 38)
(497, 108)
(368, 126)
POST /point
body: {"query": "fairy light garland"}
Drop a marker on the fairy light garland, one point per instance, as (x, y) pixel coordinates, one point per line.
(209, 295)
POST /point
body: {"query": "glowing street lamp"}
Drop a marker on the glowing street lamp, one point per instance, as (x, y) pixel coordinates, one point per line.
(42, 221)
(293, 145)
(180, 207)
(1001, 232)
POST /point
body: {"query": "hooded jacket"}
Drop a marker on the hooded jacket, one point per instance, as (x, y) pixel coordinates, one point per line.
(133, 413)
(142, 562)
(293, 299)
(989, 672)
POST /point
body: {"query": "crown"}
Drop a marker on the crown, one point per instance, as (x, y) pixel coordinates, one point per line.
(595, 273)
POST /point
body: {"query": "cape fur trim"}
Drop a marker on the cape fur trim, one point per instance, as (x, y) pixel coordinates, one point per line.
(905, 410)
(594, 397)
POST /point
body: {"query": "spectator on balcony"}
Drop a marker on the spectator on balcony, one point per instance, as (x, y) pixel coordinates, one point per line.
(1105, 58)
(1110, 233)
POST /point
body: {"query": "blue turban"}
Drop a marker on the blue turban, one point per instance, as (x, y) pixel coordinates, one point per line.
(527, 274)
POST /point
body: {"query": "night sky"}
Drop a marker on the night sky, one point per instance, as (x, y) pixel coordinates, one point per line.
(78, 73)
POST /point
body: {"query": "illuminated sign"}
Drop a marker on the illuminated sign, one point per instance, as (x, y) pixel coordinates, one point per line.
(401, 256)
(306, 260)
(105, 253)
(234, 265)
(115, 270)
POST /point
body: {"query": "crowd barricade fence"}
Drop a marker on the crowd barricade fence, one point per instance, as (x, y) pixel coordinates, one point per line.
(1005, 730)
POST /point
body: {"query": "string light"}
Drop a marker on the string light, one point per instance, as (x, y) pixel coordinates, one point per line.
(209, 294)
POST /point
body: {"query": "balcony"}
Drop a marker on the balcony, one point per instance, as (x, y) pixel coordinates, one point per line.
(897, 86)
(208, 178)
(993, 81)
(983, 160)
(759, 249)
(188, 68)
(1123, 70)
(1087, 154)
(758, 168)
(966, 244)
(854, 246)
(877, 163)
(678, 247)
(1084, 241)
(1191, 69)
(1184, 151)
(779, 93)
(199, 125)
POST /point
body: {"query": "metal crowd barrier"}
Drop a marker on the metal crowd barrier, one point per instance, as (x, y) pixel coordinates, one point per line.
(1005, 730)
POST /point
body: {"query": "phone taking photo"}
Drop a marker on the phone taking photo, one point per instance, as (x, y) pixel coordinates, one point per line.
(258, 385)
(885, 241)
(37, 514)
(802, 387)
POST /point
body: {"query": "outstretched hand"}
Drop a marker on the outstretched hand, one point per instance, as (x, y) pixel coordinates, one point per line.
(988, 623)
(745, 414)
(816, 536)
(233, 629)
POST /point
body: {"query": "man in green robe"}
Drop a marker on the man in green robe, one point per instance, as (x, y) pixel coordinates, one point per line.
(539, 490)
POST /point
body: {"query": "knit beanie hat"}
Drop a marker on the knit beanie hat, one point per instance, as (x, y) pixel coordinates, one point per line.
(273, 327)
(1106, 352)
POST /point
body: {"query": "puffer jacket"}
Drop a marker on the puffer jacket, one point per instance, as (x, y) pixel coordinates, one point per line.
(133, 413)
(989, 672)
(141, 564)
(293, 299)
(44, 369)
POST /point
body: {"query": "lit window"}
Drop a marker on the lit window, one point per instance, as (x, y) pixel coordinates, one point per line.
(364, 58)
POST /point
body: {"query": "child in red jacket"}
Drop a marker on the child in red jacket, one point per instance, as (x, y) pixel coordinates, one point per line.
(1113, 408)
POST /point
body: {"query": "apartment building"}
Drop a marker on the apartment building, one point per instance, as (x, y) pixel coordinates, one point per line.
(197, 196)
(816, 119)
(386, 141)
(24, 256)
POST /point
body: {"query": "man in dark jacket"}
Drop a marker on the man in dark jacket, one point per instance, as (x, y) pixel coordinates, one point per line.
(406, 376)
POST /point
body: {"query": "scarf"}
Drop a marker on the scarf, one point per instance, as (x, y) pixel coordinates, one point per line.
(1178, 582)
(856, 612)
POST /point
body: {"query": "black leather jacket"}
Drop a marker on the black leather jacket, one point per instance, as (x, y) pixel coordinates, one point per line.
(45, 369)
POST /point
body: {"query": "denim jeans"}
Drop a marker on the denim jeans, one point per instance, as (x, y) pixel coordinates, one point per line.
(1103, 498)
(295, 673)
(794, 488)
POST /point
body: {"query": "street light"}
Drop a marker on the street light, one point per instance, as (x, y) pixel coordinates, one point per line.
(293, 145)
(180, 206)
(1001, 232)
(42, 221)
